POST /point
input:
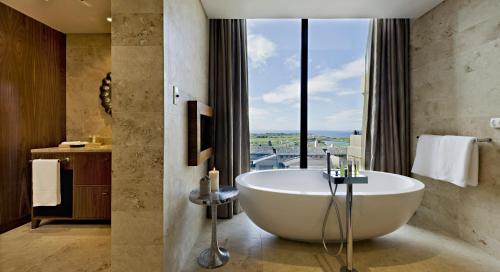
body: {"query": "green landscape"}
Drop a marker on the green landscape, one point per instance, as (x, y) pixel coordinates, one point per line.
(291, 140)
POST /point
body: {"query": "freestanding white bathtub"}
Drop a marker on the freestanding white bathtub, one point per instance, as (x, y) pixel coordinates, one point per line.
(292, 203)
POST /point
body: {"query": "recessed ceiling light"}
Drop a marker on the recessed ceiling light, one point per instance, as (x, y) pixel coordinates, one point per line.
(109, 19)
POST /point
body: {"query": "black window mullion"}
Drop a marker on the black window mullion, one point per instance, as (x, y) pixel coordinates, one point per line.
(303, 93)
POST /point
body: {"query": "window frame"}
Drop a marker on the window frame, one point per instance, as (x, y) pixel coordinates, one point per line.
(304, 56)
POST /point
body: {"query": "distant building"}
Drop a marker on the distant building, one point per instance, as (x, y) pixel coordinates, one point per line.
(354, 150)
(265, 162)
(314, 141)
(263, 157)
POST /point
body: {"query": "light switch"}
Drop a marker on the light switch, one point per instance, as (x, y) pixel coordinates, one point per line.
(495, 122)
(176, 95)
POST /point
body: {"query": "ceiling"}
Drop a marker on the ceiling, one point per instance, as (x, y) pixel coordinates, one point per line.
(246, 9)
(89, 16)
(67, 16)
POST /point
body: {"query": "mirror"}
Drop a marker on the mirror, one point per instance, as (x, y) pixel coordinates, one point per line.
(105, 93)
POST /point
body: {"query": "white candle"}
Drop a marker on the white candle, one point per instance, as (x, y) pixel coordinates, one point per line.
(214, 180)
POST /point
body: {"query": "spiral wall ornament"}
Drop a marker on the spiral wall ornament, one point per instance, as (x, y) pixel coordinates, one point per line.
(105, 93)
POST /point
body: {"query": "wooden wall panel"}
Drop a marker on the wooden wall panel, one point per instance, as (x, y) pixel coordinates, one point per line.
(32, 105)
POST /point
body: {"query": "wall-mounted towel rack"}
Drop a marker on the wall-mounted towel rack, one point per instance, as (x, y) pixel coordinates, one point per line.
(478, 140)
(60, 160)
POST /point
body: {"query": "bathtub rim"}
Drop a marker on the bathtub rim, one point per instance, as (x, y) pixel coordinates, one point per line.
(415, 187)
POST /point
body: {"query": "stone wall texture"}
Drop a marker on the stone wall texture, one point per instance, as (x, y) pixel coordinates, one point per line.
(137, 238)
(186, 65)
(455, 84)
(88, 60)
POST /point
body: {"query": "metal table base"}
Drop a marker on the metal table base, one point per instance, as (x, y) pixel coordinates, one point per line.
(214, 256)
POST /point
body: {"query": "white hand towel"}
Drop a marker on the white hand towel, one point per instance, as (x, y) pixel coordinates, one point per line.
(46, 183)
(459, 160)
(427, 156)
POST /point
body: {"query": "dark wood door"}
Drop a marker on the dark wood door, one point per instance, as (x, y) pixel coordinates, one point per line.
(92, 202)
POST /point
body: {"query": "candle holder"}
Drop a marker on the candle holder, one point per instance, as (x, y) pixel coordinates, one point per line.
(205, 188)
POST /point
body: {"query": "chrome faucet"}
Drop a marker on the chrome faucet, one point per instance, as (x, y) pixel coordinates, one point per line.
(329, 165)
(349, 180)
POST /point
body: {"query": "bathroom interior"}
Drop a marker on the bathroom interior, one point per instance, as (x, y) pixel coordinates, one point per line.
(191, 135)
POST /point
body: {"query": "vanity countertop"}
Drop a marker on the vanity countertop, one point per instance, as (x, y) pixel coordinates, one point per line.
(103, 148)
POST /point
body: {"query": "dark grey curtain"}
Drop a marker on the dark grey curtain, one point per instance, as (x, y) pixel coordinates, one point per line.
(387, 142)
(228, 95)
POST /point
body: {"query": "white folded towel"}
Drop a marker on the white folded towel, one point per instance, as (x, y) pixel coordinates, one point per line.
(450, 158)
(46, 183)
(459, 160)
(427, 156)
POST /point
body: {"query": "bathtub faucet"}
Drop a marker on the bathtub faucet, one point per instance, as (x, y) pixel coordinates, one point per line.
(328, 173)
(349, 181)
(329, 164)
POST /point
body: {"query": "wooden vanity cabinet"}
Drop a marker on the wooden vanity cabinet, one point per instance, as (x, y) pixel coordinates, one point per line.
(92, 202)
(85, 187)
(92, 186)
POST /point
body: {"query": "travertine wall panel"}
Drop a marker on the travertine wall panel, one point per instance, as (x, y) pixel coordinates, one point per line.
(88, 60)
(455, 88)
(187, 68)
(138, 136)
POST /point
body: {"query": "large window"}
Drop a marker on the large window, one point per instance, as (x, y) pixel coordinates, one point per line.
(336, 69)
(335, 51)
(274, 90)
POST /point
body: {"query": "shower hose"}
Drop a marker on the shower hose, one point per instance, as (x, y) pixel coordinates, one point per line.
(333, 192)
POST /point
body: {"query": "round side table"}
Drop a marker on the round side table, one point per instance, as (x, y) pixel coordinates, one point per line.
(214, 256)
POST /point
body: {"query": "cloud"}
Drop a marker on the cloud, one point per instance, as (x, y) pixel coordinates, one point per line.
(254, 98)
(259, 48)
(321, 99)
(288, 93)
(257, 112)
(350, 92)
(269, 119)
(292, 62)
(325, 82)
(345, 120)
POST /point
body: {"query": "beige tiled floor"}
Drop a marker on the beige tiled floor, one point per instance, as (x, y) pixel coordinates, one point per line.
(408, 249)
(58, 247)
(63, 247)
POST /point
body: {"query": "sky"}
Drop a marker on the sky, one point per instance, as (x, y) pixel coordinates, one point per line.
(336, 67)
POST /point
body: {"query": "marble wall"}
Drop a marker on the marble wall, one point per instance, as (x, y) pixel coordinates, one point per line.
(137, 238)
(88, 60)
(455, 86)
(187, 68)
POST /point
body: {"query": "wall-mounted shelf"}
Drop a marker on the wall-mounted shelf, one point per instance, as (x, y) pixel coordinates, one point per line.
(200, 131)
